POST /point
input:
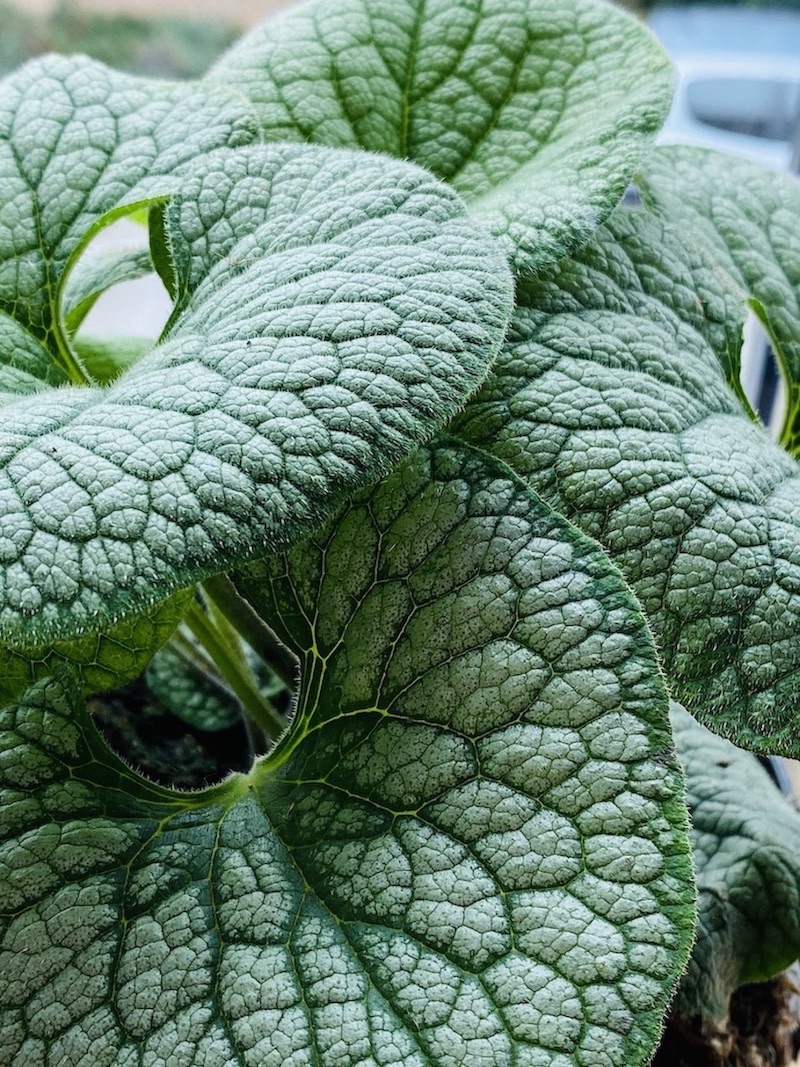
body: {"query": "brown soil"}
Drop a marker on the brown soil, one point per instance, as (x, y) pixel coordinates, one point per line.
(763, 1031)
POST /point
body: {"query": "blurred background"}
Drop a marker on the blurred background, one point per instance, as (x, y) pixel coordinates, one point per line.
(168, 38)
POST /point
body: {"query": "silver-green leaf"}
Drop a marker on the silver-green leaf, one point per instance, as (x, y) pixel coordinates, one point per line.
(79, 142)
(747, 218)
(746, 845)
(536, 112)
(610, 398)
(471, 847)
(332, 309)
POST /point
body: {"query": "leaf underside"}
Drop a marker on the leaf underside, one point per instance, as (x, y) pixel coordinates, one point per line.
(100, 660)
(470, 847)
(610, 399)
(536, 113)
(92, 274)
(332, 310)
(746, 844)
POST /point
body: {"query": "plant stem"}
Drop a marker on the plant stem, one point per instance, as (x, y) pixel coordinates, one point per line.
(232, 667)
(221, 592)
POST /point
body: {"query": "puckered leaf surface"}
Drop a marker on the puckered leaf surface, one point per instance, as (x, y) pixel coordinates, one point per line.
(470, 848)
(610, 398)
(746, 843)
(77, 142)
(100, 660)
(748, 218)
(332, 309)
(536, 112)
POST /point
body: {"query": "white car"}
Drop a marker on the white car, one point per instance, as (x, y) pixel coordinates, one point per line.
(738, 103)
(738, 86)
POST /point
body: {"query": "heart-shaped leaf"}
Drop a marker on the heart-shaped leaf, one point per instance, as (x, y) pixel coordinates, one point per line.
(470, 848)
(332, 309)
(536, 112)
(610, 399)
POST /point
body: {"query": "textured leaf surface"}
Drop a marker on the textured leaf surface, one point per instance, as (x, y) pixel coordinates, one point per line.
(537, 112)
(101, 661)
(195, 695)
(77, 141)
(748, 218)
(470, 849)
(333, 308)
(746, 843)
(610, 399)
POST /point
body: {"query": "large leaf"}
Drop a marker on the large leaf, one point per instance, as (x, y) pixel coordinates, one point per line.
(610, 398)
(748, 218)
(746, 845)
(470, 849)
(536, 111)
(332, 309)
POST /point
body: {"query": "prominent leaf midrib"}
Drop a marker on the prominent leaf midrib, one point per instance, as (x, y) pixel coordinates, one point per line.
(445, 73)
(408, 77)
(214, 993)
(336, 85)
(45, 331)
(237, 827)
(482, 135)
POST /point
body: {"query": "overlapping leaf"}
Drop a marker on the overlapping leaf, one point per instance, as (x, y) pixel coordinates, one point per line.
(183, 679)
(332, 309)
(79, 141)
(101, 659)
(471, 847)
(536, 112)
(746, 844)
(610, 398)
(93, 274)
(748, 218)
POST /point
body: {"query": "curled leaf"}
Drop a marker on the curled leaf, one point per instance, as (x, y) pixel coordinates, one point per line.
(746, 844)
(332, 310)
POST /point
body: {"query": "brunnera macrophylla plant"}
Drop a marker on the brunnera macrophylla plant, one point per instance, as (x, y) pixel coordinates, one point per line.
(449, 440)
